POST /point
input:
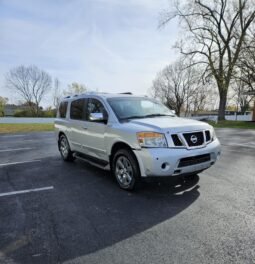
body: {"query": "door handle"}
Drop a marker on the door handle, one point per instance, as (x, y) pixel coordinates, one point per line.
(85, 128)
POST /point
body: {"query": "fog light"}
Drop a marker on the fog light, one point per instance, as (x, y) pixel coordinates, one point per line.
(165, 166)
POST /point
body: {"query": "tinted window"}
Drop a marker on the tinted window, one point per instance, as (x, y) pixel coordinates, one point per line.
(95, 106)
(137, 107)
(62, 109)
(77, 109)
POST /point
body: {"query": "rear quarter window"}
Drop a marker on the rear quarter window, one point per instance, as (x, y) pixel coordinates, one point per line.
(62, 109)
(77, 109)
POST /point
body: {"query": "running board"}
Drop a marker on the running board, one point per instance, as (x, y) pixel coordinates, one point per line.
(93, 161)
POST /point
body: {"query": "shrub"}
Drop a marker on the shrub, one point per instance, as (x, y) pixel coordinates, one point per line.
(24, 113)
(28, 113)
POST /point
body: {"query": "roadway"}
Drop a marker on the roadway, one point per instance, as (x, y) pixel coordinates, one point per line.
(57, 212)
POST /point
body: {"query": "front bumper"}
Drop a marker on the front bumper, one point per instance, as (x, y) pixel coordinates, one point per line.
(165, 161)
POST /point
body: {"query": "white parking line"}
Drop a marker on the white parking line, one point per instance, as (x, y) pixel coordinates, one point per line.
(17, 149)
(27, 191)
(245, 145)
(235, 151)
(18, 162)
(12, 136)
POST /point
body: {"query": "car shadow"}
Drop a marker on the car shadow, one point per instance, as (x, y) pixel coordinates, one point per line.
(87, 212)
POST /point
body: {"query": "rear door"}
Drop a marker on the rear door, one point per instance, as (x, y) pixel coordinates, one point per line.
(77, 123)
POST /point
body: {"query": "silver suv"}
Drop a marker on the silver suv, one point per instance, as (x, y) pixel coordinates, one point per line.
(135, 137)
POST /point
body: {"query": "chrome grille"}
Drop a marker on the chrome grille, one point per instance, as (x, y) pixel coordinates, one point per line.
(176, 140)
(194, 139)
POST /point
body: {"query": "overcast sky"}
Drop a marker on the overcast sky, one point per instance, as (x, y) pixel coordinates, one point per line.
(108, 45)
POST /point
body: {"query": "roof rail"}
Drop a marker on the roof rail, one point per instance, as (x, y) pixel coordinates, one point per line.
(67, 97)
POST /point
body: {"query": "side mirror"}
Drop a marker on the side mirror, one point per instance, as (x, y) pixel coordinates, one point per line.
(97, 117)
(174, 112)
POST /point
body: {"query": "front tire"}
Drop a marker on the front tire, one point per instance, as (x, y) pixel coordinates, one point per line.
(64, 148)
(126, 169)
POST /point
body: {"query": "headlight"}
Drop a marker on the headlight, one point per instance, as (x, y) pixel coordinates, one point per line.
(151, 140)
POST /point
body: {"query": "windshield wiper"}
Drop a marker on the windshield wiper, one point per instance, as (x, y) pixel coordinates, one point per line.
(145, 116)
(155, 115)
(132, 117)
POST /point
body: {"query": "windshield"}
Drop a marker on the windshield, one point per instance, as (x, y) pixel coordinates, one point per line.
(130, 108)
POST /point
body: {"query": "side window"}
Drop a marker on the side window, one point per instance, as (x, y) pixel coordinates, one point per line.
(77, 109)
(62, 109)
(95, 106)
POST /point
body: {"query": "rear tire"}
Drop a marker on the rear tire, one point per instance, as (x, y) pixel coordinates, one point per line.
(64, 148)
(126, 170)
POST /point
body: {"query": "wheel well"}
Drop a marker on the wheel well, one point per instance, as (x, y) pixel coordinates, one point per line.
(121, 145)
(59, 135)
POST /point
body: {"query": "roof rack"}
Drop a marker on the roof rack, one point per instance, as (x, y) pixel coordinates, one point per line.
(92, 93)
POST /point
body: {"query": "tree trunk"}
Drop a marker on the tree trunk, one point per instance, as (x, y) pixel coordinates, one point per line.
(37, 110)
(243, 109)
(253, 115)
(222, 105)
(177, 111)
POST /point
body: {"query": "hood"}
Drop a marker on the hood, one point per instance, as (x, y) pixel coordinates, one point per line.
(170, 123)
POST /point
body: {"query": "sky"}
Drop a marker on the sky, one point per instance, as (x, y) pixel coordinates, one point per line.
(108, 45)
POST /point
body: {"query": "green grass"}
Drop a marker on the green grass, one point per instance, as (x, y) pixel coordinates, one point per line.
(233, 124)
(20, 128)
(16, 128)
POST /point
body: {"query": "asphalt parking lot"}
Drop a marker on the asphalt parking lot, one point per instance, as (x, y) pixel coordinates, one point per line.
(75, 213)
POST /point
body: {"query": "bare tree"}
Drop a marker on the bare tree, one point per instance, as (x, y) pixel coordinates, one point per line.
(245, 72)
(3, 102)
(57, 95)
(175, 85)
(202, 97)
(31, 83)
(242, 99)
(244, 80)
(215, 34)
(75, 88)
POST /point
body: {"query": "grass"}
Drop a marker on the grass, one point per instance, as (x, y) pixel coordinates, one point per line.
(19, 128)
(16, 128)
(233, 124)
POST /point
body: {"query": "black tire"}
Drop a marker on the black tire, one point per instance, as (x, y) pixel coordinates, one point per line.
(64, 148)
(130, 178)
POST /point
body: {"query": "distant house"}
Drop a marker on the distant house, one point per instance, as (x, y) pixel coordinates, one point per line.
(10, 109)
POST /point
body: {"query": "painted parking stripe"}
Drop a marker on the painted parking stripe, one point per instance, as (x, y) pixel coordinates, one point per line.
(245, 145)
(27, 191)
(16, 149)
(18, 162)
(12, 136)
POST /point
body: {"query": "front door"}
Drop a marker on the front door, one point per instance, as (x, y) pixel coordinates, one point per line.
(93, 143)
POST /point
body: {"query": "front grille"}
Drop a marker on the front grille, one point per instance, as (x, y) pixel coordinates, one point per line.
(207, 135)
(176, 140)
(194, 160)
(194, 139)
